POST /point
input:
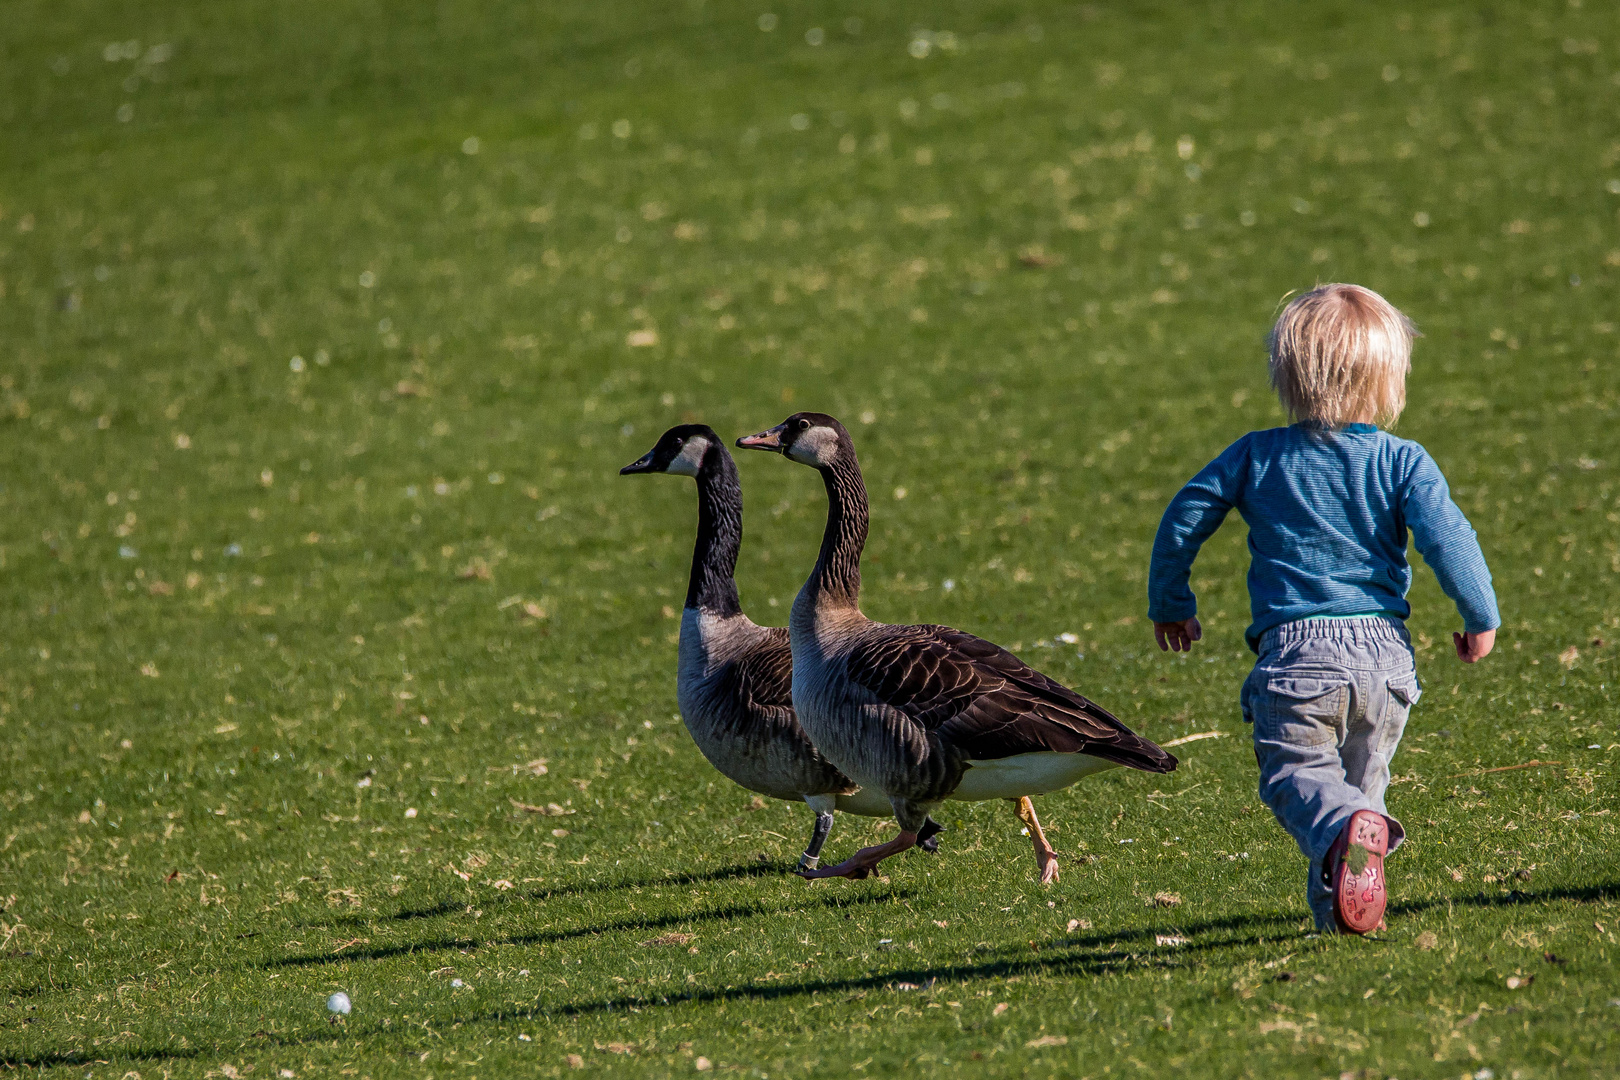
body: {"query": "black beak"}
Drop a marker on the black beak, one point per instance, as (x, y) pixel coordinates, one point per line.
(766, 440)
(641, 464)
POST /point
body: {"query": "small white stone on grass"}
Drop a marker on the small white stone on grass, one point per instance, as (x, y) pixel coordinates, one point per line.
(339, 1003)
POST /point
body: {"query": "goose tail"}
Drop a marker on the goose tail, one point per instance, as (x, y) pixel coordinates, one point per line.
(1134, 752)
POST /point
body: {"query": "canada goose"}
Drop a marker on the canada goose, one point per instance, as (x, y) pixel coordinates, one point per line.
(923, 713)
(733, 680)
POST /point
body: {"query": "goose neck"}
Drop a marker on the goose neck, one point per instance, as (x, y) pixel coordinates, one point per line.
(837, 576)
(713, 584)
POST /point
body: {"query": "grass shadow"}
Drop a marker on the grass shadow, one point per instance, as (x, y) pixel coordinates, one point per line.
(433, 911)
(1584, 894)
(643, 925)
(1109, 958)
(1112, 959)
(82, 1058)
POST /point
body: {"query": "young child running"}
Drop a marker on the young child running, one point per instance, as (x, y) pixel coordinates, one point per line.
(1328, 502)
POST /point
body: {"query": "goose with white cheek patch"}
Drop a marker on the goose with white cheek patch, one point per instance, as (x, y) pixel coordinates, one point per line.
(924, 713)
(734, 680)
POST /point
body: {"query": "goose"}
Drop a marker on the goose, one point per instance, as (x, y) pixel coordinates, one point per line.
(924, 713)
(733, 680)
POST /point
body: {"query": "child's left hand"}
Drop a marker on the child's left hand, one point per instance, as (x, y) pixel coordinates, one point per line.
(1177, 636)
(1472, 648)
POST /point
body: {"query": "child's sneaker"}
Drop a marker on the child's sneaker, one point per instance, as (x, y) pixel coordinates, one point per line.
(1355, 865)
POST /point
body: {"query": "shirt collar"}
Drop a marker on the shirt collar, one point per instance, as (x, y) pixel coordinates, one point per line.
(1353, 429)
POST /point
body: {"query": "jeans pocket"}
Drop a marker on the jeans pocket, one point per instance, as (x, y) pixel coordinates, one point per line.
(1405, 689)
(1303, 708)
(1404, 692)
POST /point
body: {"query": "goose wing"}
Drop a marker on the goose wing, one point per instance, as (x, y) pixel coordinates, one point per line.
(764, 677)
(761, 682)
(987, 702)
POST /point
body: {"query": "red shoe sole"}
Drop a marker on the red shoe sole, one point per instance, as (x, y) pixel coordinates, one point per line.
(1359, 893)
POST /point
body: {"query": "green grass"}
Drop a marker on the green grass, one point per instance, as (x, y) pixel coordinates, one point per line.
(1032, 269)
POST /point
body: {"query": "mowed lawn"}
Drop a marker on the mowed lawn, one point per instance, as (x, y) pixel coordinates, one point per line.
(336, 656)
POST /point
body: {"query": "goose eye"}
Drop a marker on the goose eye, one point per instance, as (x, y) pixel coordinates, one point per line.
(804, 425)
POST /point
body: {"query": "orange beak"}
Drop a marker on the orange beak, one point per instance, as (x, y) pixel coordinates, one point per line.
(766, 440)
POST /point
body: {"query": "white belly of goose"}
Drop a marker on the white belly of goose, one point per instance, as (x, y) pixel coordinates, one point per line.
(1025, 774)
(867, 802)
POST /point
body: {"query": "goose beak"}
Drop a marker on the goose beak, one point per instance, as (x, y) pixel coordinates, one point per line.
(766, 440)
(641, 464)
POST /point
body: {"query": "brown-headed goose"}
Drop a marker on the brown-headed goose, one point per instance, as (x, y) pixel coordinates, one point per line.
(734, 677)
(924, 713)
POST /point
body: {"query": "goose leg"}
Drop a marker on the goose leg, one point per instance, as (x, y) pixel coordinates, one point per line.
(1045, 856)
(812, 851)
(928, 836)
(864, 861)
(910, 816)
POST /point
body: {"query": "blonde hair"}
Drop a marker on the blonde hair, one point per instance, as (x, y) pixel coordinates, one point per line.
(1339, 354)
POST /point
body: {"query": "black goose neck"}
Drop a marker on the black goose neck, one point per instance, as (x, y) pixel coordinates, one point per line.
(837, 575)
(713, 585)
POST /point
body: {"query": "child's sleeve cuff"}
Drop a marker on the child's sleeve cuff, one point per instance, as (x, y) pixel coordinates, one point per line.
(1179, 613)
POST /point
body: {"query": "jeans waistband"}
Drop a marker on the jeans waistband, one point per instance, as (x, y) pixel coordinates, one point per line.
(1362, 628)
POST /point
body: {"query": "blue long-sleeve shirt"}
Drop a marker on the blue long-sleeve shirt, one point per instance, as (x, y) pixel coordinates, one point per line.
(1328, 514)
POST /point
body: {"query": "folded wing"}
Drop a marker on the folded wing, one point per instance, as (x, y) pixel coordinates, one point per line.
(764, 678)
(988, 703)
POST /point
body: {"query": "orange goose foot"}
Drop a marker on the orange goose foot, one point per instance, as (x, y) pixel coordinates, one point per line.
(863, 862)
(1046, 859)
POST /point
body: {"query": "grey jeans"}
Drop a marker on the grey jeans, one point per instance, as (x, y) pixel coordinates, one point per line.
(1328, 699)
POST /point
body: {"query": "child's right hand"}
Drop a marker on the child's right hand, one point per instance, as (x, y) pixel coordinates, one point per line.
(1472, 648)
(1179, 636)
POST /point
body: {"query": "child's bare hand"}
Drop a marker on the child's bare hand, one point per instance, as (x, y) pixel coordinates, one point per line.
(1472, 648)
(1179, 636)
